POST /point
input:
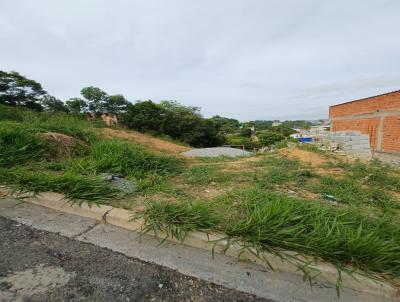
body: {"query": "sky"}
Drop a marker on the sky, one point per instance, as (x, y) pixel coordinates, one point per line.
(245, 59)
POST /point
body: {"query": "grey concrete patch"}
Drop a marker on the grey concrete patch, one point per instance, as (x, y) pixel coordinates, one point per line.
(221, 269)
(95, 273)
(44, 218)
(8, 202)
(38, 280)
(216, 152)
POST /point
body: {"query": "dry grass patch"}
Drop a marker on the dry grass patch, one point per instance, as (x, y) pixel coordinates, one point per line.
(306, 157)
(63, 145)
(153, 143)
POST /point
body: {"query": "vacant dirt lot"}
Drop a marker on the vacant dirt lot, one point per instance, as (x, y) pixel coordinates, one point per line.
(152, 143)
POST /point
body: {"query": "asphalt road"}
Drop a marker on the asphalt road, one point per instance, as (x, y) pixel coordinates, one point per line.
(41, 266)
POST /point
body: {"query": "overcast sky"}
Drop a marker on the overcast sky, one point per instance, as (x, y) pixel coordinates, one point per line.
(247, 59)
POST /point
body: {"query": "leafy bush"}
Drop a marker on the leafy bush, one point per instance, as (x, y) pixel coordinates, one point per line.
(175, 120)
(268, 138)
(237, 140)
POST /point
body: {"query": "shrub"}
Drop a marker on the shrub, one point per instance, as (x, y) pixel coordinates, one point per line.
(237, 140)
(268, 138)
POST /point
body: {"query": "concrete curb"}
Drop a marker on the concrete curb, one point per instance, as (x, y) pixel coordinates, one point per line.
(212, 242)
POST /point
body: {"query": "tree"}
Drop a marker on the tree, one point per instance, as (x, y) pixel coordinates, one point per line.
(268, 138)
(145, 116)
(17, 90)
(76, 105)
(96, 98)
(246, 132)
(173, 119)
(225, 125)
(52, 104)
(115, 104)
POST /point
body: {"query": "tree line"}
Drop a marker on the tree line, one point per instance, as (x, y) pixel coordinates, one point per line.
(166, 118)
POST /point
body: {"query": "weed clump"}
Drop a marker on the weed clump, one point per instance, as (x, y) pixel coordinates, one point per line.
(123, 157)
(73, 186)
(178, 220)
(19, 145)
(276, 223)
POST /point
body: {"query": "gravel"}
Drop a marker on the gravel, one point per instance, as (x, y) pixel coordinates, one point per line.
(216, 152)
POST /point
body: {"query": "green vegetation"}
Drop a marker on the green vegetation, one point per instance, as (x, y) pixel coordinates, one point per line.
(174, 120)
(34, 140)
(339, 211)
(349, 219)
(177, 221)
(123, 157)
(73, 186)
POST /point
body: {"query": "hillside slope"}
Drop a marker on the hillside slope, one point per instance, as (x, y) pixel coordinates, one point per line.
(152, 143)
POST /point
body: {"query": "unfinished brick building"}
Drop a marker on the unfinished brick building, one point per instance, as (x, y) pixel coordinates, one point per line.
(377, 116)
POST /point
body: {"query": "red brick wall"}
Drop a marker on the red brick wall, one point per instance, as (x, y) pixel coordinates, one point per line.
(387, 101)
(365, 126)
(365, 115)
(391, 133)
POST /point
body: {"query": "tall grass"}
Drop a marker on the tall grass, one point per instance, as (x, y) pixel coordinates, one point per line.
(276, 223)
(67, 124)
(348, 190)
(126, 158)
(73, 186)
(37, 122)
(342, 237)
(178, 220)
(18, 144)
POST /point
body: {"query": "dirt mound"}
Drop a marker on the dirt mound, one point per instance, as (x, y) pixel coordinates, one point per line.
(152, 143)
(307, 157)
(62, 145)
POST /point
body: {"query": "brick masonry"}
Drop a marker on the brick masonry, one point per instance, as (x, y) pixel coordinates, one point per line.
(378, 117)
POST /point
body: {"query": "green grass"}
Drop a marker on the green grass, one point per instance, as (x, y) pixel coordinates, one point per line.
(276, 223)
(310, 148)
(203, 175)
(281, 162)
(126, 158)
(177, 221)
(39, 122)
(19, 145)
(268, 221)
(74, 175)
(74, 186)
(349, 191)
(375, 173)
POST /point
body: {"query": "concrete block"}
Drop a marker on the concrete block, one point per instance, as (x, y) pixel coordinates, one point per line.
(124, 219)
(8, 202)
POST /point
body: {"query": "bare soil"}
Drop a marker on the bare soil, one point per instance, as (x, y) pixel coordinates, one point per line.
(152, 143)
(307, 157)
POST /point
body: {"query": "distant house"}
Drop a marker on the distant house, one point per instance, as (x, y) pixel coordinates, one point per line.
(276, 123)
(376, 116)
(109, 119)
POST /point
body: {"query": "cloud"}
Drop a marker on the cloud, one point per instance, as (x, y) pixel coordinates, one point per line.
(245, 59)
